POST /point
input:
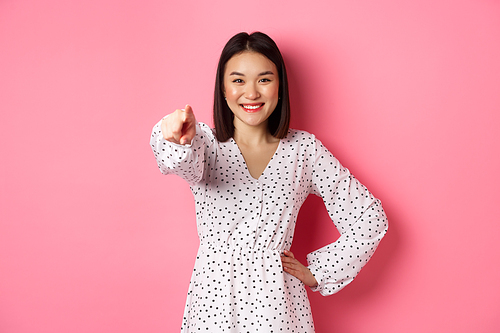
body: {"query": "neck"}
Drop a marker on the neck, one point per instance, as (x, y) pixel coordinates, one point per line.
(252, 135)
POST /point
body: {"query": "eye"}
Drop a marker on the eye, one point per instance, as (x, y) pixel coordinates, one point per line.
(264, 80)
(238, 81)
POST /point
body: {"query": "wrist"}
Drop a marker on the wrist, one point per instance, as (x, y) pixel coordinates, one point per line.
(312, 282)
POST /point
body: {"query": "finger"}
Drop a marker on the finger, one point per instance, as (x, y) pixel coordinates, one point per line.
(164, 129)
(186, 139)
(294, 272)
(189, 125)
(166, 126)
(188, 109)
(289, 254)
(188, 115)
(288, 260)
(189, 132)
(176, 132)
(176, 125)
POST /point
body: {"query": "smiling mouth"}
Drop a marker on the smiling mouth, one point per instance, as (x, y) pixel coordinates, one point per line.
(252, 107)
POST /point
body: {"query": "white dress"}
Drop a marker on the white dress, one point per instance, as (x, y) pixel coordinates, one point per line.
(244, 224)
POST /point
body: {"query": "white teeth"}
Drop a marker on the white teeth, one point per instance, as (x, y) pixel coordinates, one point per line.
(252, 107)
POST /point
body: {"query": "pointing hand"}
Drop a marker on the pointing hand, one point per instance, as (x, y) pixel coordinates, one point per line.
(180, 126)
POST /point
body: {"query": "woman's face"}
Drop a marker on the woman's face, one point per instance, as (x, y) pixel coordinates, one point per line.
(251, 87)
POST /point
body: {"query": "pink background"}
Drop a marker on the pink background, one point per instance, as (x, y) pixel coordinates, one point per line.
(405, 93)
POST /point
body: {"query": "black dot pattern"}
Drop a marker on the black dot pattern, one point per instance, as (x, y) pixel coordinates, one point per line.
(244, 224)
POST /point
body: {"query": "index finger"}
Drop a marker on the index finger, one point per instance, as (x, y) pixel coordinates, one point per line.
(188, 109)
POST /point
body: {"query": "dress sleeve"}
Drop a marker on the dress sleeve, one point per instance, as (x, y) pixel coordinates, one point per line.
(356, 213)
(187, 161)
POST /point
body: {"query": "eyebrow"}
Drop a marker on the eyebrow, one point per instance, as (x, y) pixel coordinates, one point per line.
(260, 74)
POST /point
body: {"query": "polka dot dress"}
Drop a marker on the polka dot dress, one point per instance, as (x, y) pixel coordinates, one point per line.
(244, 224)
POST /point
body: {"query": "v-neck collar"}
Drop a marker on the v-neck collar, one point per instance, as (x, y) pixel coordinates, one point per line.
(245, 162)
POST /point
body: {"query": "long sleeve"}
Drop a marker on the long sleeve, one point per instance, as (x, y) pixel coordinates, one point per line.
(356, 213)
(187, 161)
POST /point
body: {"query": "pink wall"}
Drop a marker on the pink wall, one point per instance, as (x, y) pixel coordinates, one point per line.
(406, 94)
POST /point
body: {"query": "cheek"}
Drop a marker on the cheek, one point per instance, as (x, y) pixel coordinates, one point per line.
(232, 93)
(273, 92)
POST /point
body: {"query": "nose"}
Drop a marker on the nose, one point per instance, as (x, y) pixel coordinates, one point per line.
(251, 92)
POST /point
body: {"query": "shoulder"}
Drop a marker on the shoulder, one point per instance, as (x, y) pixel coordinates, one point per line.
(299, 137)
(305, 142)
(300, 143)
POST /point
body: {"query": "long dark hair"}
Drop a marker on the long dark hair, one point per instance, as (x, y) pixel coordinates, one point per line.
(279, 120)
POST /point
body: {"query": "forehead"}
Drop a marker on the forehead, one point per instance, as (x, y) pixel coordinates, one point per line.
(248, 63)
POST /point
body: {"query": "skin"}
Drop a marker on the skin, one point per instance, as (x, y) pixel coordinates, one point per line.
(251, 88)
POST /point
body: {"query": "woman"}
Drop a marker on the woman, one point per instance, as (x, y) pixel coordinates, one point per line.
(249, 177)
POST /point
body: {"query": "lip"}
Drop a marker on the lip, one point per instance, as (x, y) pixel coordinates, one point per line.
(255, 107)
